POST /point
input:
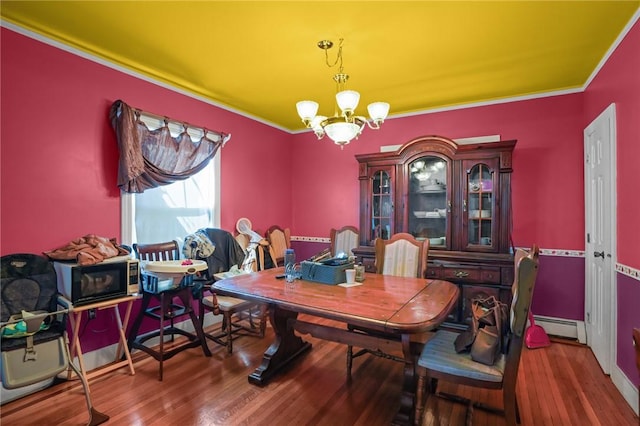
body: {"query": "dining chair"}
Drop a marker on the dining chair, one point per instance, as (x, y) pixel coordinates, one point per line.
(259, 255)
(440, 361)
(239, 317)
(279, 240)
(343, 240)
(404, 256)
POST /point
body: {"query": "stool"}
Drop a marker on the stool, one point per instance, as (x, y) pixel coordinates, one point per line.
(167, 310)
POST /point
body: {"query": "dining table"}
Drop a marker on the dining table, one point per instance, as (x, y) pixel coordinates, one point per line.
(393, 310)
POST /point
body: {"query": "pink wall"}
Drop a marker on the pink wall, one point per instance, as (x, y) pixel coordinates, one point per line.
(547, 178)
(59, 154)
(619, 82)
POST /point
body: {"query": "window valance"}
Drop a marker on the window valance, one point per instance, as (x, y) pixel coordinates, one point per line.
(153, 157)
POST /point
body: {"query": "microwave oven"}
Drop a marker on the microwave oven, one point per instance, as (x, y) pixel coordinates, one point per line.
(110, 279)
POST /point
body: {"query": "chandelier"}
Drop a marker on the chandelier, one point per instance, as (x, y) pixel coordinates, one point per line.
(344, 125)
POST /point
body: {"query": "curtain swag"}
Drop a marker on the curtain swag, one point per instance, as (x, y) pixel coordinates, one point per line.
(152, 158)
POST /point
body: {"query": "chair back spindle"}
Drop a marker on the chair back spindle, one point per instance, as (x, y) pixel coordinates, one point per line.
(157, 251)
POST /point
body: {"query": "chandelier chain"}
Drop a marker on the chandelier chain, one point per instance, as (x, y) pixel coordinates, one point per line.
(338, 58)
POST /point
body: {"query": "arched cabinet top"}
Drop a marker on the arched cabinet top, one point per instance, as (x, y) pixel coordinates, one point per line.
(440, 145)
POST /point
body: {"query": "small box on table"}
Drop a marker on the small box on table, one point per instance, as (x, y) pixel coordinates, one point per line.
(325, 274)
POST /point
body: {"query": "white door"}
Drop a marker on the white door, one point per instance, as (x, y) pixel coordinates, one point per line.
(600, 215)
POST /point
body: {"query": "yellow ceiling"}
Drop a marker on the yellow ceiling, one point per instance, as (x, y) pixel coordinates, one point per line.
(261, 57)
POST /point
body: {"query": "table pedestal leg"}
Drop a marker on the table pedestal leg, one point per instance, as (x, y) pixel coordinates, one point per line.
(285, 348)
(406, 412)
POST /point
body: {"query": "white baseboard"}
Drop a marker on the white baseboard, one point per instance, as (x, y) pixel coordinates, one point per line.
(626, 388)
(571, 329)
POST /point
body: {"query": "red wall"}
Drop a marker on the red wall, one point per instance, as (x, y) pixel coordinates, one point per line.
(547, 178)
(59, 153)
(619, 82)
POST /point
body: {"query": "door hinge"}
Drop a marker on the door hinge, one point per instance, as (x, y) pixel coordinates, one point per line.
(588, 237)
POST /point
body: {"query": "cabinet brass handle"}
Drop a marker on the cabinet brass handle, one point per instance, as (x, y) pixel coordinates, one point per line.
(462, 274)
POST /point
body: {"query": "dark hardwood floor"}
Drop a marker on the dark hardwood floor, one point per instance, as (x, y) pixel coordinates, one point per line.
(558, 385)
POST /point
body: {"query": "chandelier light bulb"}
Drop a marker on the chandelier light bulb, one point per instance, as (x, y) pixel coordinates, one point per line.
(348, 101)
(342, 132)
(378, 111)
(307, 110)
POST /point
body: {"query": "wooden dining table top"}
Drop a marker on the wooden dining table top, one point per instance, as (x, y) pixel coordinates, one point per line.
(388, 303)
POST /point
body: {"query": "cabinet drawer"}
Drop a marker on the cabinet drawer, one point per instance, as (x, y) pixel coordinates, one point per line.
(477, 275)
(490, 276)
(462, 274)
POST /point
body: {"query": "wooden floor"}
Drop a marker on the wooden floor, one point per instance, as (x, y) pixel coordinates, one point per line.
(559, 385)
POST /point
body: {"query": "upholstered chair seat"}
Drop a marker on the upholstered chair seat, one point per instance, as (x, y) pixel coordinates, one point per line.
(439, 354)
(439, 360)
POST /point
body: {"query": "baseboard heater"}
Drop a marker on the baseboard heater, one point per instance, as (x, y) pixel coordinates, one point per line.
(571, 329)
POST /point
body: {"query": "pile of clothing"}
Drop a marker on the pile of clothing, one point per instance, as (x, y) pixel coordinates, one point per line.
(88, 250)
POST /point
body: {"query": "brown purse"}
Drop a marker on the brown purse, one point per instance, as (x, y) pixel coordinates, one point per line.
(483, 338)
(486, 346)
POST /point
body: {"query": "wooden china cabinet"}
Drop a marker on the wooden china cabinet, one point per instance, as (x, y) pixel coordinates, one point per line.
(456, 196)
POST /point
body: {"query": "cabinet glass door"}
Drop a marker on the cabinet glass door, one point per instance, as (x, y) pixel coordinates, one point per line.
(381, 205)
(480, 206)
(428, 206)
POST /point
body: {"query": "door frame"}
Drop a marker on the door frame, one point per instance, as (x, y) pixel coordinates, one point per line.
(608, 114)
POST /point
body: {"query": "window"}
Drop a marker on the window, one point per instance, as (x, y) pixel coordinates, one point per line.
(172, 211)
